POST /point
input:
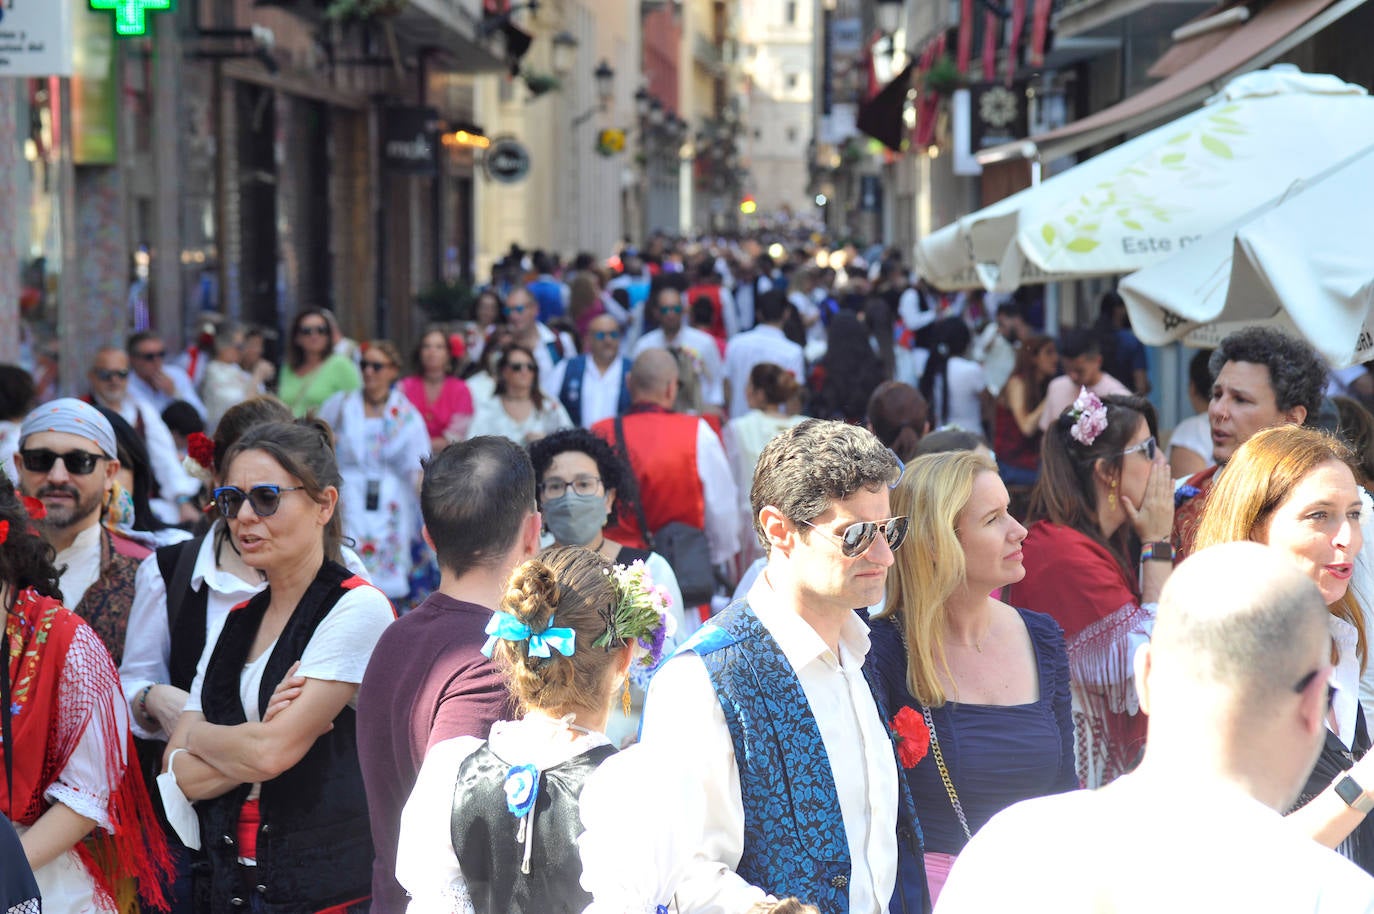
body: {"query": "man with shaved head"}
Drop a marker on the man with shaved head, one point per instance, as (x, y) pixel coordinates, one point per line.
(678, 463)
(1235, 683)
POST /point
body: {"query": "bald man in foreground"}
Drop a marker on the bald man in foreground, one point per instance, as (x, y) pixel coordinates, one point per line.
(1235, 683)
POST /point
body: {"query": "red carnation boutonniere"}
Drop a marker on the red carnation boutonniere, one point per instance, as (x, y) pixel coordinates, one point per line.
(912, 736)
(36, 509)
(200, 457)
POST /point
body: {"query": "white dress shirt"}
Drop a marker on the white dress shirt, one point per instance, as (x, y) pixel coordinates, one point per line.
(702, 346)
(600, 390)
(764, 343)
(172, 478)
(684, 717)
(185, 390)
(82, 565)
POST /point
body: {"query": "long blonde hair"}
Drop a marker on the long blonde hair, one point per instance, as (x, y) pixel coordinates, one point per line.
(1259, 477)
(933, 491)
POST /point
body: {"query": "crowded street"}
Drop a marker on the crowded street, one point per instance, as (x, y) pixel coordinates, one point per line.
(719, 456)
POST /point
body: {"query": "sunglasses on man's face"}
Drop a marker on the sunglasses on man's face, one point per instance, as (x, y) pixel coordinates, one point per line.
(150, 356)
(856, 539)
(516, 309)
(108, 374)
(671, 309)
(603, 335)
(265, 499)
(78, 463)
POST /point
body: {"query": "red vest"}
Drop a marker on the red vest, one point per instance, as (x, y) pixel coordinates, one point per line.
(717, 328)
(663, 458)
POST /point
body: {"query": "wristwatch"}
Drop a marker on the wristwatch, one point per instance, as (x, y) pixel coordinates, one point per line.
(1161, 551)
(1348, 789)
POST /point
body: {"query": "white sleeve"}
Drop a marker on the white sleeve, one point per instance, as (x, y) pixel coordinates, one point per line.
(212, 634)
(343, 642)
(663, 575)
(555, 417)
(426, 864)
(83, 785)
(720, 494)
(729, 315)
(555, 381)
(713, 388)
(683, 720)
(148, 644)
(162, 454)
(331, 410)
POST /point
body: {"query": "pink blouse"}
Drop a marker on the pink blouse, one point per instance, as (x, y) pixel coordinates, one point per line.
(454, 400)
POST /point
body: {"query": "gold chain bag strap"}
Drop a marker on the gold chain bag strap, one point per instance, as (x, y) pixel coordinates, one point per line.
(944, 773)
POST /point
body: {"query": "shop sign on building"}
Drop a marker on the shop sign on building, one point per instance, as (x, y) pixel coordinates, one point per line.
(35, 38)
(410, 140)
(507, 161)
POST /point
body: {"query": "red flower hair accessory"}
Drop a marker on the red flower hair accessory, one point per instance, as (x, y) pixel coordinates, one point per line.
(37, 510)
(457, 348)
(200, 457)
(912, 736)
(4, 531)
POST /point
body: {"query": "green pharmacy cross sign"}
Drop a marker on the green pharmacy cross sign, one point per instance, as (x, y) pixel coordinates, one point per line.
(131, 16)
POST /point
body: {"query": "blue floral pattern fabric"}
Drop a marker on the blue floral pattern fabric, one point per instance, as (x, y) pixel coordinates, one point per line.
(794, 837)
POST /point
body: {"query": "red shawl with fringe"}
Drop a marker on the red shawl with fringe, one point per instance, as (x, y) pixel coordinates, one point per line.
(1081, 585)
(49, 718)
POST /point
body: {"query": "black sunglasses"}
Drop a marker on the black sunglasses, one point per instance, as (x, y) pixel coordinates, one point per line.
(316, 329)
(1306, 681)
(265, 499)
(374, 366)
(108, 374)
(150, 356)
(857, 538)
(78, 463)
(520, 366)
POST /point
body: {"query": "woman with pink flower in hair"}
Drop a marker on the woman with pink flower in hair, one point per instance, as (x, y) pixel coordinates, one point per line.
(1096, 558)
(381, 443)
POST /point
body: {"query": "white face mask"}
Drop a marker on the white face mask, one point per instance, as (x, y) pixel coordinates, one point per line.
(575, 520)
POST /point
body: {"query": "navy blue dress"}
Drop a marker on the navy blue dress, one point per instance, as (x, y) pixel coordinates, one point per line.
(997, 755)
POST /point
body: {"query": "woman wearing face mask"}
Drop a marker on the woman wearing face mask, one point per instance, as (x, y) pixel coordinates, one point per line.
(579, 476)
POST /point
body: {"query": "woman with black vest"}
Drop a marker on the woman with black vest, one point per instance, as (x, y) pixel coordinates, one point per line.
(491, 825)
(279, 797)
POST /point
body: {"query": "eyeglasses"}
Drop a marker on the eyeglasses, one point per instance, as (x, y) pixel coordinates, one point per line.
(857, 538)
(606, 335)
(313, 330)
(1302, 684)
(78, 463)
(374, 366)
(265, 499)
(150, 356)
(516, 309)
(108, 374)
(1149, 446)
(520, 366)
(554, 489)
(671, 309)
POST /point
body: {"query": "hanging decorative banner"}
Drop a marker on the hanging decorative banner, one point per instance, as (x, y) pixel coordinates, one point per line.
(1040, 26)
(131, 16)
(965, 47)
(35, 38)
(1018, 22)
(991, 25)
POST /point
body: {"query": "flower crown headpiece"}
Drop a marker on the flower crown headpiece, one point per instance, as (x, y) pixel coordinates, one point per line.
(199, 462)
(640, 613)
(1090, 417)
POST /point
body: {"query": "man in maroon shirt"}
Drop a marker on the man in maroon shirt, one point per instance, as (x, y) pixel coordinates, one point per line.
(427, 680)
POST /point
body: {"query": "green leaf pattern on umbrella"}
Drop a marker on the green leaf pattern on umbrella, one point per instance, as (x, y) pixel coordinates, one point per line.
(1191, 157)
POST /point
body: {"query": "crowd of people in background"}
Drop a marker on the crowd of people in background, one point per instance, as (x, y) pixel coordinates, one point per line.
(361, 631)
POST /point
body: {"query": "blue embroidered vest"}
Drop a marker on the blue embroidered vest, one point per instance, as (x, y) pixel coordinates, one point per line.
(571, 391)
(794, 836)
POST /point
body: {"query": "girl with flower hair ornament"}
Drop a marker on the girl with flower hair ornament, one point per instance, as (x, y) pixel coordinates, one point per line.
(491, 825)
(1104, 490)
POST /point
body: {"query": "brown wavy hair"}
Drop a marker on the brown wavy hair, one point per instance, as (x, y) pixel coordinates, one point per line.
(566, 587)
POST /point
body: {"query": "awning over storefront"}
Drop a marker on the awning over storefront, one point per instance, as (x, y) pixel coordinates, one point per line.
(1271, 33)
(881, 116)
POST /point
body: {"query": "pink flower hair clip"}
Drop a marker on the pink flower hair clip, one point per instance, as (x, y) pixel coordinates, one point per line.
(1090, 417)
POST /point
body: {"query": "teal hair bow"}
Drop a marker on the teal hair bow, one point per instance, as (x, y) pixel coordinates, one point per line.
(505, 627)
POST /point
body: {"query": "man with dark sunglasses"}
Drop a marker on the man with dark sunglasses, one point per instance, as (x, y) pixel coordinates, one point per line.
(67, 460)
(769, 707)
(594, 385)
(109, 379)
(153, 379)
(1235, 681)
